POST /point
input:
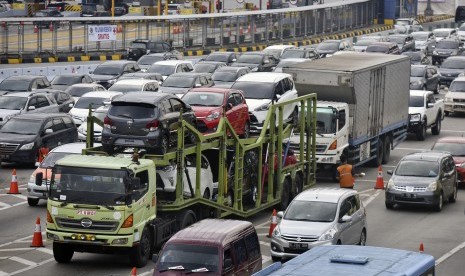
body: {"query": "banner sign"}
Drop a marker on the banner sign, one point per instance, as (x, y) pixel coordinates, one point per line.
(102, 33)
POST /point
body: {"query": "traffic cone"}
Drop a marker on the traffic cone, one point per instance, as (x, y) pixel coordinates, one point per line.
(14, 184)
(133, 272)
(36, 29)
(274, 222)
(379, 179)
(422, 249)
(37, 237)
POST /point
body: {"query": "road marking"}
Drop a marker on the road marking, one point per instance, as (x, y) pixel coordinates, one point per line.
(371, 198)
(31, 267)
(455, 131)
(16, 249)
(45, 250)
(264, 243)
(265, 259)
(23, 261)
(450, 253)
(414, 149)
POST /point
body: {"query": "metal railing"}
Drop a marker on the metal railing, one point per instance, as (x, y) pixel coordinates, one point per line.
(67, 35)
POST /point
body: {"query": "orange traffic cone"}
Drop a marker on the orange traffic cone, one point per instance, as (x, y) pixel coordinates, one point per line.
(133, 272)
(14, 184)
(274, 222)
(422, 249)
(379, 179)
(36, 29)
(37, 237)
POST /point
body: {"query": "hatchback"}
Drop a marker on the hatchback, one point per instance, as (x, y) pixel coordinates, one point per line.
(226, 57)
(108, 72)
(93, 100)
(180, 83)
(446, 48)
(225, 76)
(256, 61)
(319, 216)
(456, 146)
(425, 178)
(424, 41)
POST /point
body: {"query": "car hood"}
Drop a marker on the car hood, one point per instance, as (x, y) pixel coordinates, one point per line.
(144, 68)
(174, 90)
(400, 180)
(8, 112)
(304, 228)
(420, 42)
(446, 51)
(79, 112)
(202, 111)
(16, 138)
(102, 77)
(254, 103)
(415, 79)
(326, 52)
(240, 64)
(455, 95)
(415, 110)
(451, 72)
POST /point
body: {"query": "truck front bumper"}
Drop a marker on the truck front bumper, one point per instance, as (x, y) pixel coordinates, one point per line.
(454, 107)
(88, 242)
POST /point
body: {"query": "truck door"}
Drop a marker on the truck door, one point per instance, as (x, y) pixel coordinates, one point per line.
(342, 125)
(375, 111)
(143, 206)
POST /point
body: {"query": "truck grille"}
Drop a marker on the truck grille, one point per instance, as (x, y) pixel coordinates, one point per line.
(320, 148)
(415, 189)
(7, 148)
(293, 238)
(96, 225)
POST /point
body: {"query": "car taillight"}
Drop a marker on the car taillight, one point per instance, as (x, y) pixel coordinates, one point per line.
(107, 123)
(152, 125)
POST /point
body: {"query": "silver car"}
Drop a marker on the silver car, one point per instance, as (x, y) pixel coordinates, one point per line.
(319, 216)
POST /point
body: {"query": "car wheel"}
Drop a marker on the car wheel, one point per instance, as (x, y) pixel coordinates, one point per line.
(163, 148)
(389, 205)
(275, 259)
(439, 204)
(421, 132)
(32, 201)
(63, 253)
(140, 253)
(246, 130)
(453, 196)
(436, 129)
(446, 113)
(363, 238)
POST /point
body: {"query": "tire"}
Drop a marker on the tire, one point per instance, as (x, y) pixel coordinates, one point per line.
(108, 149)
(436, 129)
(378, 160)
(275, 259)
(439, 205)
(63, 253)
(363, 238)
(298, 184)
(163, 148)
(207, 194)
(386, 150)
(285, 194)
(453, 196)
(32, 201)
(140, 254)
(446, 113)
(389, 205)
(186, 218)
(246, 133)
(421, 133)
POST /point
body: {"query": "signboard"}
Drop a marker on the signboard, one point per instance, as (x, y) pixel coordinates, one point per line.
(102, 33)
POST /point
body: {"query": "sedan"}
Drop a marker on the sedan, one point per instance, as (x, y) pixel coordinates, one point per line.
(211, 104)
(424, 77)
(226, 57)
(451, 68)
(390, 48)
(77, 90)
(424, 41)
(456, 147)
(417, 58)
(180, 83)
(226, 76)
(208, 66)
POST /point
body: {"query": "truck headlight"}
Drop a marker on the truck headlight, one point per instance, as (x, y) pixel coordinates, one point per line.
(328, 235)
(213, 116)
(276, 232)
(390, 184)
(432, 186)
(263, 107)
(415, 117)
(27, 146)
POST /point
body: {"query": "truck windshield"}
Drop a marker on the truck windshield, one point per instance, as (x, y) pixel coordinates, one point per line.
(189, 256)
(89, 186)
(326, 122)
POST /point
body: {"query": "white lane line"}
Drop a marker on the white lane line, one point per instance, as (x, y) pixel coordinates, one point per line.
(262, 234)
(23, 261)
(16, 249)
(450, 253)
(20, 196)
(150, 272)
(455, 131)
(265, 259)
(45, 250)
(4, 205)
(371, 198)
(3, 273)
(413, 149)
(264, 243)
(32, 267)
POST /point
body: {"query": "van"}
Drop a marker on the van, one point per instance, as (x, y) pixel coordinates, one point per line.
(213, 246)
(460, 14)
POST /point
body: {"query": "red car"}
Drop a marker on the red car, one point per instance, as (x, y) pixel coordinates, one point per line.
(456, 146)
(210, 103)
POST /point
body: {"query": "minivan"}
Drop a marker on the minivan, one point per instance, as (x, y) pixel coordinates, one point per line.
(213, 246)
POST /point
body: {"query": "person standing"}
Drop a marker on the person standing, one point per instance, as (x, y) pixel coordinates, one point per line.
(346, 175)
(43, 151)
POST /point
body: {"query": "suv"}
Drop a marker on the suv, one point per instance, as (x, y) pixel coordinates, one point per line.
(23, 83)
(13, 104)
(145, 120)
(319, 216)
(256, 61)
(140, 47)
(424, 178)
(23, 136)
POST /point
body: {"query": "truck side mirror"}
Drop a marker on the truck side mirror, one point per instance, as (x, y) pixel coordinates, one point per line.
(39, 178)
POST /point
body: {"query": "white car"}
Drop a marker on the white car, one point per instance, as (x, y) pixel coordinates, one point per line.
(79, 89)
(261, 89)
(454, 100)
(100, 114)
(168, 178)
(132, 85)
(407, 25)
(169, 67)
(277, 50)
(424, 41)
(80, 110)
(443, 33)
(461, 32)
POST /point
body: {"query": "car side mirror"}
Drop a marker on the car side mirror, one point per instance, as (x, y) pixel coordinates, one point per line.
(280, 214)
(389, 172)
(70, 105)
(234, 60)
(39, 178)
(48, 131)
(31, 107)
(345, 218)
(106, 103)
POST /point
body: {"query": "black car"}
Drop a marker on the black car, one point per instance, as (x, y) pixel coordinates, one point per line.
(140, 47)
(64, 100)
(23, 135)
(145, 120)
(418, 57)
(61, 82)
(227, 75)
(108, 72)
(208, 66)
(405, 42)
(309, 53)
(331, 46)
(424, 77)
(390, 48)
(446, 48)
(226, 57)
(426, 178)
(24, 83)
(256, 61)
(147, 60)
(451, 67)
(47, 13)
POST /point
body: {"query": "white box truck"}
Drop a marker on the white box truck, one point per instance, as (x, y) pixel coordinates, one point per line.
(362, 108)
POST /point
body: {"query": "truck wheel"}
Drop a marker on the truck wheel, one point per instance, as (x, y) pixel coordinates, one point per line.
(421, 132)
(436, 129)
(32, 201)
(378, 160)
(285, 194)
(299, 185)
(140, 253)
(387, 150)
(163, 148)
(186, 218)
(62, 252)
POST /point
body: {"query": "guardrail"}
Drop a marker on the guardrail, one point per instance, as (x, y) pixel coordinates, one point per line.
(43, 37)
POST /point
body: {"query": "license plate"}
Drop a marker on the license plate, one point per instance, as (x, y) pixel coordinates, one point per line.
(409, 189)
(295, 245)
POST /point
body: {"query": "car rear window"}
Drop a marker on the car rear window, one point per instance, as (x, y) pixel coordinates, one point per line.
(133, 111)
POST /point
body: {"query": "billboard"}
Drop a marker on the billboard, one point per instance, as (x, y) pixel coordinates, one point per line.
(102, 33)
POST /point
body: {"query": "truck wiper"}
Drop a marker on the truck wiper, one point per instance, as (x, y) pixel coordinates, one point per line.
(179, 267)
(197, 270)
(86, 206)
(109, 207)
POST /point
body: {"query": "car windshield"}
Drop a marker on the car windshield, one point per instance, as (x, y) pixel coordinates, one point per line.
(416, 101)
(326, 120)
(377, 49)
(420, 36)
(453, 64)
(204, 68)
(414, 56)
(397, 39)
(315, 211)
(224, 76)
(255, 90)
(181, 82)
(14, 85)
(13, 103)
(420, 168)
(133, 111)
(89, 186)
(325, 46)
(164, 70)
(440, 33)
(456, 149)
(274, 52)
(216, 57)
(293, 54)
(203, 98)
(125, 87)
(66, 80)
(94, 102)
(364, 42)
(418, 72)
(139, 45)
(456, 86)
(189, 257)
(108, 70)
(254, 59)
(52, 158)
(149, 60)
(21, 126)
(447, 45)
(77, 91)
